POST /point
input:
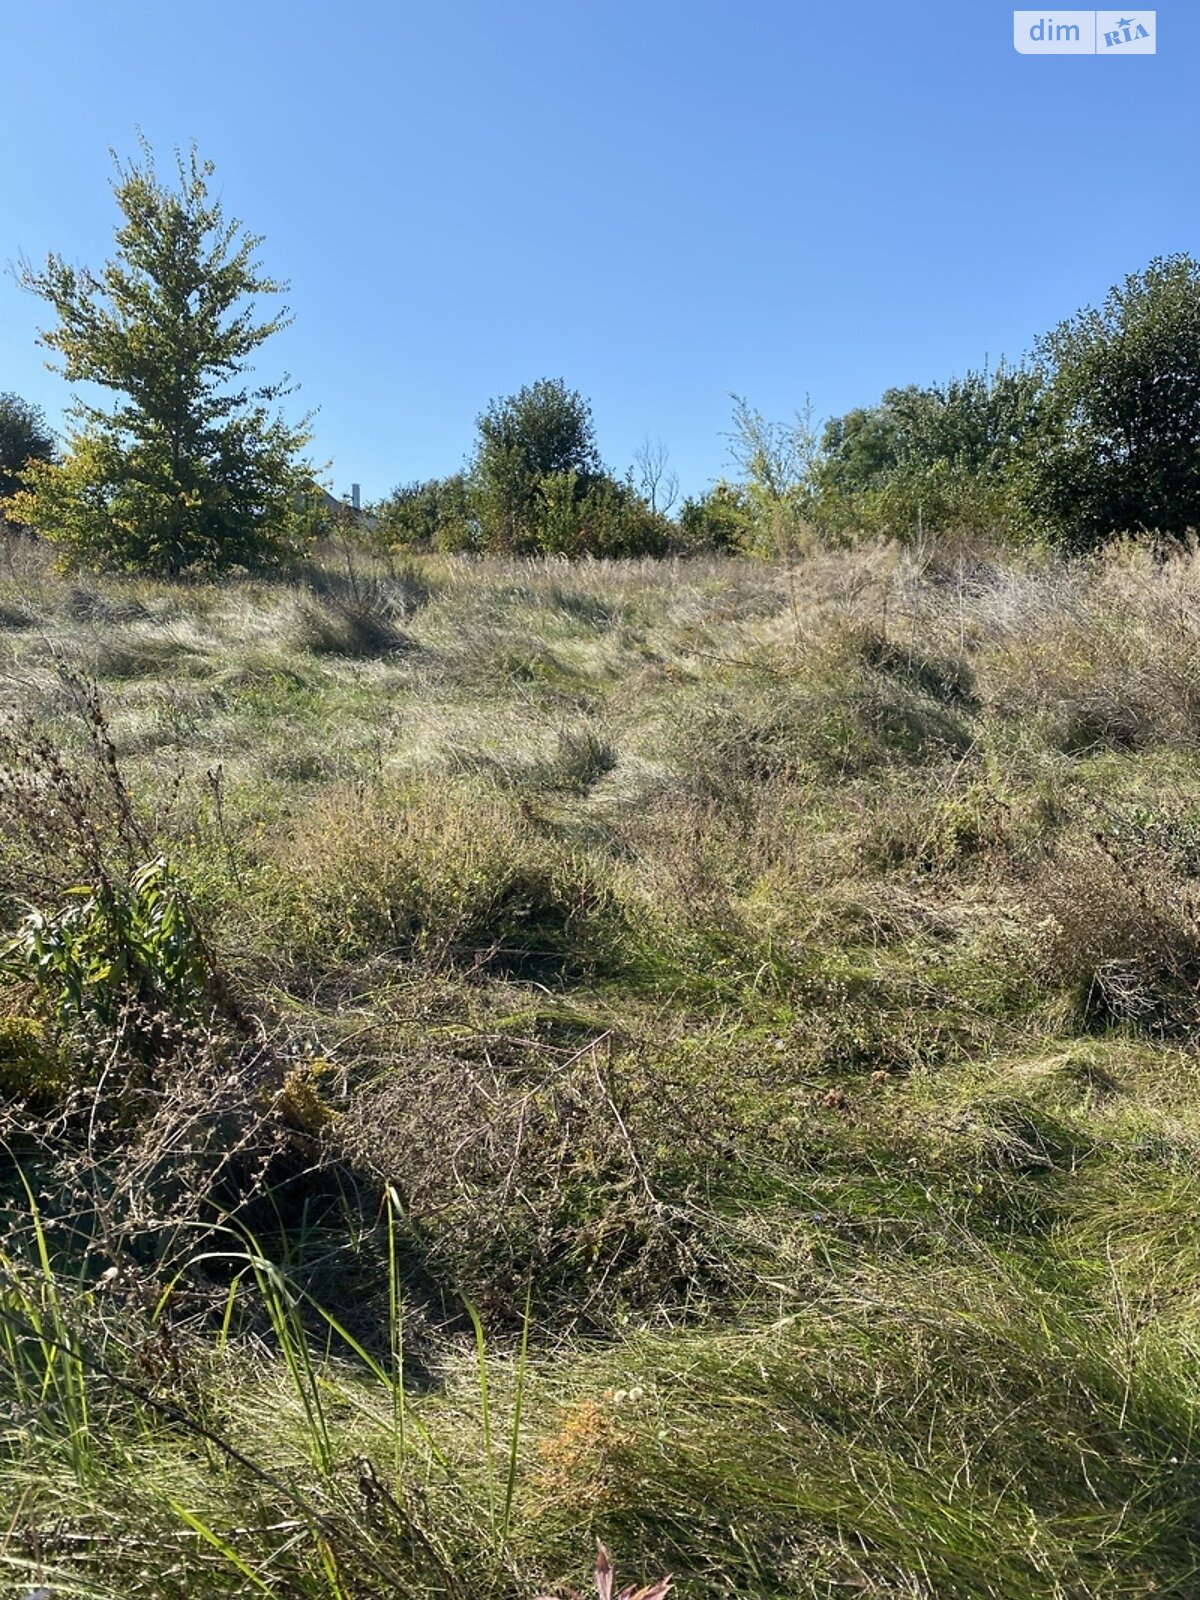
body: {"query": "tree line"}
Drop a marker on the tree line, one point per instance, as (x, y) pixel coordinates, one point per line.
(190, 466)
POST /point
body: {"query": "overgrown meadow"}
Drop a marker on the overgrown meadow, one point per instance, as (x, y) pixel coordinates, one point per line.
(698, 1054)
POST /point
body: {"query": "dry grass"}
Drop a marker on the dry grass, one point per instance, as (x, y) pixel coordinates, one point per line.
(783, 982)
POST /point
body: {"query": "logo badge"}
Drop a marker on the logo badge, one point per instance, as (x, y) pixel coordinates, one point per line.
(1125, 33)
(1084, 33)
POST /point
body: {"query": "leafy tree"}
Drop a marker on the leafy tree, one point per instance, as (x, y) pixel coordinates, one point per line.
(938, 456)
(188, 467)
(976, 423)
(544, 430)
(24, 437)
(1121, 452)
(862, 448)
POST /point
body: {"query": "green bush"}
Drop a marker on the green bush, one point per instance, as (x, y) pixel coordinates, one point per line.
(719, 520)
(600, 516)
(926, 460)
(439, 514)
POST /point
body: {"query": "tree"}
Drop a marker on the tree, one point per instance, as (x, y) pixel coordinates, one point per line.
(537, 485)
(655, 479)
(976, 423)
(720, 519)
(934, 457)
(861, 449)
(24, 437)
(1121, 452)
(189, 467)
(545, 430)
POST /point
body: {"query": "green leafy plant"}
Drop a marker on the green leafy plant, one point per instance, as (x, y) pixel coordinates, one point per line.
(30, 1068)
(114, 946)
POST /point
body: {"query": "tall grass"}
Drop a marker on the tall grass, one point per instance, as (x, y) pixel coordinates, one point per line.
(334, 1537)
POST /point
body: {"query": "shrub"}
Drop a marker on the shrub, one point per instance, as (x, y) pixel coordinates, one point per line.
(719, 520)
(600, 516)
(931, 459)
(439, 514)
(30, 1068)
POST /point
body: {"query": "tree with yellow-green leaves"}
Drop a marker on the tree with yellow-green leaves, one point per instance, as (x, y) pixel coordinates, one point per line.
(189, 467)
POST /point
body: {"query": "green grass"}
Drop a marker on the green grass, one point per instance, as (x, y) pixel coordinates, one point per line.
(690, 1054)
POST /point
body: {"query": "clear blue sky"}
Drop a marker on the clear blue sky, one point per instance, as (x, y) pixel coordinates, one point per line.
(661, 201)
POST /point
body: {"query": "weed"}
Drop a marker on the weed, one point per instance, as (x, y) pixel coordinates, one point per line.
(115, 946)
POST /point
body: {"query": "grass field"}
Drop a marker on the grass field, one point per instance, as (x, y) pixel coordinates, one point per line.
(696, 1054)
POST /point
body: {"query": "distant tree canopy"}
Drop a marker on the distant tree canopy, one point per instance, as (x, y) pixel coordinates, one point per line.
(976, 423)
(437, 514)
(24, 437)
(1098, 434)
(1120, 452)
(933, 457)
(720, 520)
(187, 468)
(535, 484)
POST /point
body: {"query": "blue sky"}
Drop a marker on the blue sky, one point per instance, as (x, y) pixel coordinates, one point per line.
(661, 202)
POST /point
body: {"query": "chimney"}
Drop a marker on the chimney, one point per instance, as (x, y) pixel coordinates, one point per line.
(356, 496)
